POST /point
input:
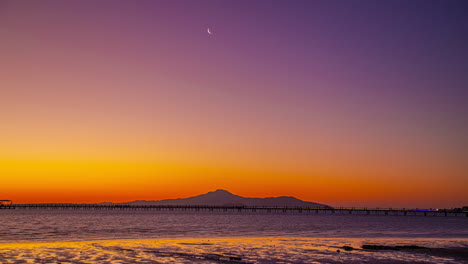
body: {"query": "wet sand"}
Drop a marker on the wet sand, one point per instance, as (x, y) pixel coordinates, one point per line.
(237, 250)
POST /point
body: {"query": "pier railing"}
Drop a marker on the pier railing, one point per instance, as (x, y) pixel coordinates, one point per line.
(249, 209)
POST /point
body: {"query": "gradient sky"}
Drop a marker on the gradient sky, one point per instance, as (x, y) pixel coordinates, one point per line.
(349, 103)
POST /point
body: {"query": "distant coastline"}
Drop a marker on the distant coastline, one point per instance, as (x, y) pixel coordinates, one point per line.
(225, 198)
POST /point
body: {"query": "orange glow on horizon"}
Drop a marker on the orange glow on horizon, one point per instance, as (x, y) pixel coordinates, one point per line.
(43, 181)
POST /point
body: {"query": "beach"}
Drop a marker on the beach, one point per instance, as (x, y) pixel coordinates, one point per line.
(236, 250)
(133, 236)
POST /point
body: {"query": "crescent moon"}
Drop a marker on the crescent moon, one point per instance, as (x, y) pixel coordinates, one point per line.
(209, 32)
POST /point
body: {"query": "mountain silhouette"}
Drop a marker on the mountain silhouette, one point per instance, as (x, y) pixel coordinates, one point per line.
(225, 198)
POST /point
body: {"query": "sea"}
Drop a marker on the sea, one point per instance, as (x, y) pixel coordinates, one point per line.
(150, 236)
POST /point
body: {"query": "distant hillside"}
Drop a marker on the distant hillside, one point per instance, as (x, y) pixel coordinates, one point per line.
(225, 198)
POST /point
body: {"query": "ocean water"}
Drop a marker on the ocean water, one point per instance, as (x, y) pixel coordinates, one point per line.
(130, 236)
(76, 225)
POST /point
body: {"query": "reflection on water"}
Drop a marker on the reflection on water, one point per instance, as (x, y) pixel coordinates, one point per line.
(239, 250)
(76, 225)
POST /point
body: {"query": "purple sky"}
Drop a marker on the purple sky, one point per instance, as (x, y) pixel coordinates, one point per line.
(359, 91)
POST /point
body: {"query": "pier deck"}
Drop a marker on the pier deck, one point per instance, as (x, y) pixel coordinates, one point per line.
(246, 209)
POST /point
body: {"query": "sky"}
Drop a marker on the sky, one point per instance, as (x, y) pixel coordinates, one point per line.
(347, 103)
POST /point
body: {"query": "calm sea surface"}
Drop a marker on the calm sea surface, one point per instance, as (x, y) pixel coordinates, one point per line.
(76, 225)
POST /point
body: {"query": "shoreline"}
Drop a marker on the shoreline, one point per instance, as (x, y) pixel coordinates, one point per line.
(236, 250)
(2, 243)
(238, 238)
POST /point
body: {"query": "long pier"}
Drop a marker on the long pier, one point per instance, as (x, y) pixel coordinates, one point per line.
(247, 209)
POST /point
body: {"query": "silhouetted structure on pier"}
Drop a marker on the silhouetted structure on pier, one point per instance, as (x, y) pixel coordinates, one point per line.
(6, 204)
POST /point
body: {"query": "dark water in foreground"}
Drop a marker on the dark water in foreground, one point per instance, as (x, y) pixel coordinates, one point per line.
(85, 225)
